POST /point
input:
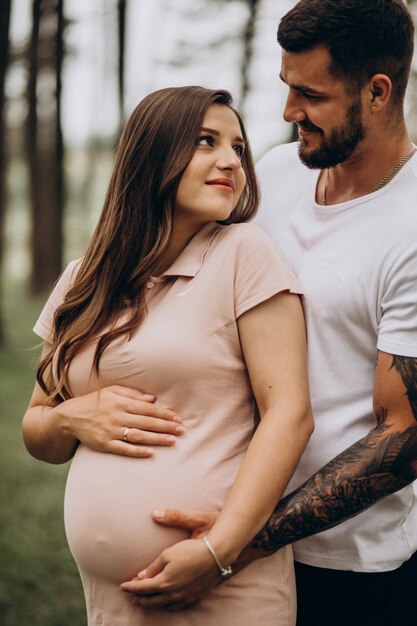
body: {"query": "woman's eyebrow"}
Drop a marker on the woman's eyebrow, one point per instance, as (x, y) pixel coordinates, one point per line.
(216, 133)
(209, 130)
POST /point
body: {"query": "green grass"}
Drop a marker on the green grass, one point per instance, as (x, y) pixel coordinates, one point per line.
(39, 582)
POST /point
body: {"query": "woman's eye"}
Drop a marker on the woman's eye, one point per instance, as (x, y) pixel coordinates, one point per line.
(239, 149)
(205, 140)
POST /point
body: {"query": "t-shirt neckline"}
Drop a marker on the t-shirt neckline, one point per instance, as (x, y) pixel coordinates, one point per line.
(344, 206)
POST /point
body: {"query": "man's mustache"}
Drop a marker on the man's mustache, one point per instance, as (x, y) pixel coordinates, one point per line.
(307, 125)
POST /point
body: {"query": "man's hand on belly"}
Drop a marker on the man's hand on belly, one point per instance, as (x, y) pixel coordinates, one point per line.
(151, 590)
(199, 522)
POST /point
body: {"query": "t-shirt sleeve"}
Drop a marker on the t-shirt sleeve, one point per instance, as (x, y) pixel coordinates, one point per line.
(261, 271)
(44, 324)
(397, 331)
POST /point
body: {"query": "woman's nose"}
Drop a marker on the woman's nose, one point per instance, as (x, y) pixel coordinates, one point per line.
(228, 159)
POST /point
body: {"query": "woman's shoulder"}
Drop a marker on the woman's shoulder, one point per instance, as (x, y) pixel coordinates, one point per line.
(248, 236)
(244, 231)
(70, 272)
(73, 266)
(254, 251)
(66, 279)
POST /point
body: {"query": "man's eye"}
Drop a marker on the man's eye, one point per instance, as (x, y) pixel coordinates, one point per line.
(310, 96)
(239, 149)
(205, 140)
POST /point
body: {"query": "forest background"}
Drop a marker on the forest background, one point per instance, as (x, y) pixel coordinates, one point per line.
(71, 71)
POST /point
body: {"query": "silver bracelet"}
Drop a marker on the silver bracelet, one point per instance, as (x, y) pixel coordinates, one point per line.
(226, 572)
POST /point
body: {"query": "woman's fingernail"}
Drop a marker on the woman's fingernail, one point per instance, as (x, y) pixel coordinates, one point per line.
(158, 514)
(171, 439)
(177, 418)
(149, 397)
(142, 574)
(179, 430)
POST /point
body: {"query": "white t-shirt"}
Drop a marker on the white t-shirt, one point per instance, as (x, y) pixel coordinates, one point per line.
(356, 263)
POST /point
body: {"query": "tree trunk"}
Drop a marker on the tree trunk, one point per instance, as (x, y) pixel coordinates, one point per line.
(248, 38)
(5, 6)
(121, 14)
(45, 143)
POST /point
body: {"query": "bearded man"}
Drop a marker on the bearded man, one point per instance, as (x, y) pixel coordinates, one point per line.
(342, 206)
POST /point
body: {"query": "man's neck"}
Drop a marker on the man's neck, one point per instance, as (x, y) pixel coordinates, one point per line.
(364, 171)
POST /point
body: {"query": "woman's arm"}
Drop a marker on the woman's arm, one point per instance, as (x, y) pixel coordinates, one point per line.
(99, 420)
(273, 340)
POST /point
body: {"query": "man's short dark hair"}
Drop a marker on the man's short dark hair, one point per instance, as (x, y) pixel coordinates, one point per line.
(363, 37)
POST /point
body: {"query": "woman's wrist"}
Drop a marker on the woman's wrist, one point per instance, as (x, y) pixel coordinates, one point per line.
(226, 548)
(225, 571)
(232, 533)
(63, 420)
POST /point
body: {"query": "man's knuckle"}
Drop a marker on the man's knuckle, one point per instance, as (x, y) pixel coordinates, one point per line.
(173, 516)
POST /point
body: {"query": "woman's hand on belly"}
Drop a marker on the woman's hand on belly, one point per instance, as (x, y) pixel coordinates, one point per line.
(119, 420)
(180, 577)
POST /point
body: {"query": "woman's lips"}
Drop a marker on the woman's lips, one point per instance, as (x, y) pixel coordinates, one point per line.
(225, 184)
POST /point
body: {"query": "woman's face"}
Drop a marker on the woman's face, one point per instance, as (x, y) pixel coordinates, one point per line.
(214, 179)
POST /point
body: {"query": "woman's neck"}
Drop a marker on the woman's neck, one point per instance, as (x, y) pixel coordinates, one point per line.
(181, 236)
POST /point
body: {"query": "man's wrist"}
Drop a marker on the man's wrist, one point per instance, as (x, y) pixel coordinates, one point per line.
(267, 541)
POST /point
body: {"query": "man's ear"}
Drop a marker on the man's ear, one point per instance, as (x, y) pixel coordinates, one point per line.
(379, 92)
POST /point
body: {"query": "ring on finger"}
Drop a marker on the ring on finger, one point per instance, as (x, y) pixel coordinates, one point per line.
(125, 435)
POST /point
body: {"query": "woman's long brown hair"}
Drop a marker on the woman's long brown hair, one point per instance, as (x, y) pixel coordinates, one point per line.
(135, 227)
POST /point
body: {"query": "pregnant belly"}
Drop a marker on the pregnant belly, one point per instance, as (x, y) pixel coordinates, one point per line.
(109, 500)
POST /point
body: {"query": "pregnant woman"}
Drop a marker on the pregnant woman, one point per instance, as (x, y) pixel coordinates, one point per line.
(176, 296)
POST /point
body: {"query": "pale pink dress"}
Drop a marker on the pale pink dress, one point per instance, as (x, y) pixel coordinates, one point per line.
(187, 352)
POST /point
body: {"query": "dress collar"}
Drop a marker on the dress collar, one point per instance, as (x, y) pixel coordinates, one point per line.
(189, 262)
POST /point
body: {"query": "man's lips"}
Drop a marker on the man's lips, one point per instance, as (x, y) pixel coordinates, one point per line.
(308, 129)
(222, 183)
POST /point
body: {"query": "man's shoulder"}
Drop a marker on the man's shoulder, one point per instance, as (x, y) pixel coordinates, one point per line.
(283, 155)
(281, 172)
(282, 168)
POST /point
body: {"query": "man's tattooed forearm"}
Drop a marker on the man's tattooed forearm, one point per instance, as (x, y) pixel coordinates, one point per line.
(407, 369)
(379, 464)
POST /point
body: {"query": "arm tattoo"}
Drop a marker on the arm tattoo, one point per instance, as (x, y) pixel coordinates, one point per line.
(376, 466)
(407, 369)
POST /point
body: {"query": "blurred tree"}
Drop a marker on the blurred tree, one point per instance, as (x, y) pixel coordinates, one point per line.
(248, 37)
(121, 14)
(45, 144)
(5, 6)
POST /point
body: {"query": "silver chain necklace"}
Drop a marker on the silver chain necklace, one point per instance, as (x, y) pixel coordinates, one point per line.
(381, 184)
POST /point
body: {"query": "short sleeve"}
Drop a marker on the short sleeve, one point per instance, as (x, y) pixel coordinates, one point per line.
(261, 271)
(397, 331)
(44, 324)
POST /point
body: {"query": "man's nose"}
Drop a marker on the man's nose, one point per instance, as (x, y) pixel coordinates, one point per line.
(293, 112)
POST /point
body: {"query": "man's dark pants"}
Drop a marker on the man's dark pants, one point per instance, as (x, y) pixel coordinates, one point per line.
(338, 598)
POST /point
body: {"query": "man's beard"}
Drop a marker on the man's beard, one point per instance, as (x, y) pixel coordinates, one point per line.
(340, 144)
